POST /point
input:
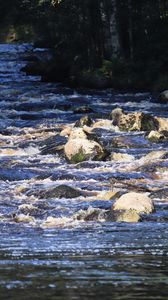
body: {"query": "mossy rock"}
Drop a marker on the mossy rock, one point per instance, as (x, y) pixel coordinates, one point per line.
(79, 157)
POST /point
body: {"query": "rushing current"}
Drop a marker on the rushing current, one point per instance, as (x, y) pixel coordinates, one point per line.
(81, 256)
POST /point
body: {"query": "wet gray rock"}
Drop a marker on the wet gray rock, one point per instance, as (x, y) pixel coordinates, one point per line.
(61, 191)
(130, 142)
(85, 120)
(83, 110)
(53, 145)
(163, 97)
(160, 194)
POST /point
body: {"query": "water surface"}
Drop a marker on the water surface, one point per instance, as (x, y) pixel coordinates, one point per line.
(77, 259)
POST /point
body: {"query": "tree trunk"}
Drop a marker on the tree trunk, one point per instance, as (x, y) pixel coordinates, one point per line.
(111, 34)
(130, 29)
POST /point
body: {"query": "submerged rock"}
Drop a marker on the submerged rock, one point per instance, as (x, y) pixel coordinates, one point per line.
(161, 193)
(61, 191)
(136, 121)
(53, 145)
(140, 203)
(129, 142)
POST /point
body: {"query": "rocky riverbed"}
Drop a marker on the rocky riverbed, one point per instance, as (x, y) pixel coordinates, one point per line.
(83, 177)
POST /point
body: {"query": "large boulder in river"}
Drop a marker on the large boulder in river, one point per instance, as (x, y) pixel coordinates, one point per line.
(138, 202)
(79, 148)
(136, 121)
(163, 97)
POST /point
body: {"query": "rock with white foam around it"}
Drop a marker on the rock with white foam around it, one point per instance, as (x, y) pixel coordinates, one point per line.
(79, 148)
(138, 202)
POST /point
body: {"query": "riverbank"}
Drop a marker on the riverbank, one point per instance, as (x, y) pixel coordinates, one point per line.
(118, 74)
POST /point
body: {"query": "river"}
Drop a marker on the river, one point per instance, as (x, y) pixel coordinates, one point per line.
(77, 259)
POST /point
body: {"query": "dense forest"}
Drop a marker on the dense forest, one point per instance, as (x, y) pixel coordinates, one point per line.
(97, 43)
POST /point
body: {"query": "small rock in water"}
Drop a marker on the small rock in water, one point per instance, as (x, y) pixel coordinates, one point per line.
(105, 124)
(86, 120)
(83, 110)
(161, 193)
(53, 145)
(61, 191)
(52, 222)
(91, 214)
(156, 136)
(162, 124)
(163, 97)
(129, 142)
(153, 156)
(122, 157)
(137, 202)
(21, 218)
(108, 195)
(27, 208)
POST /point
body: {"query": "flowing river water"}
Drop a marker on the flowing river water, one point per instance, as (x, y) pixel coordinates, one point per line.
(80, 257)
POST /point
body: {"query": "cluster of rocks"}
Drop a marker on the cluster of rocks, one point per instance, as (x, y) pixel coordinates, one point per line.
(126, 207)
(83, 143)
(79, 142)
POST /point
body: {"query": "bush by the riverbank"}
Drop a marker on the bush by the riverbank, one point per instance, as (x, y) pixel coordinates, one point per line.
(117, 74)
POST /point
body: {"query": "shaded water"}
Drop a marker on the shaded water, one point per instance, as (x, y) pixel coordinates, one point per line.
(74, 259)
